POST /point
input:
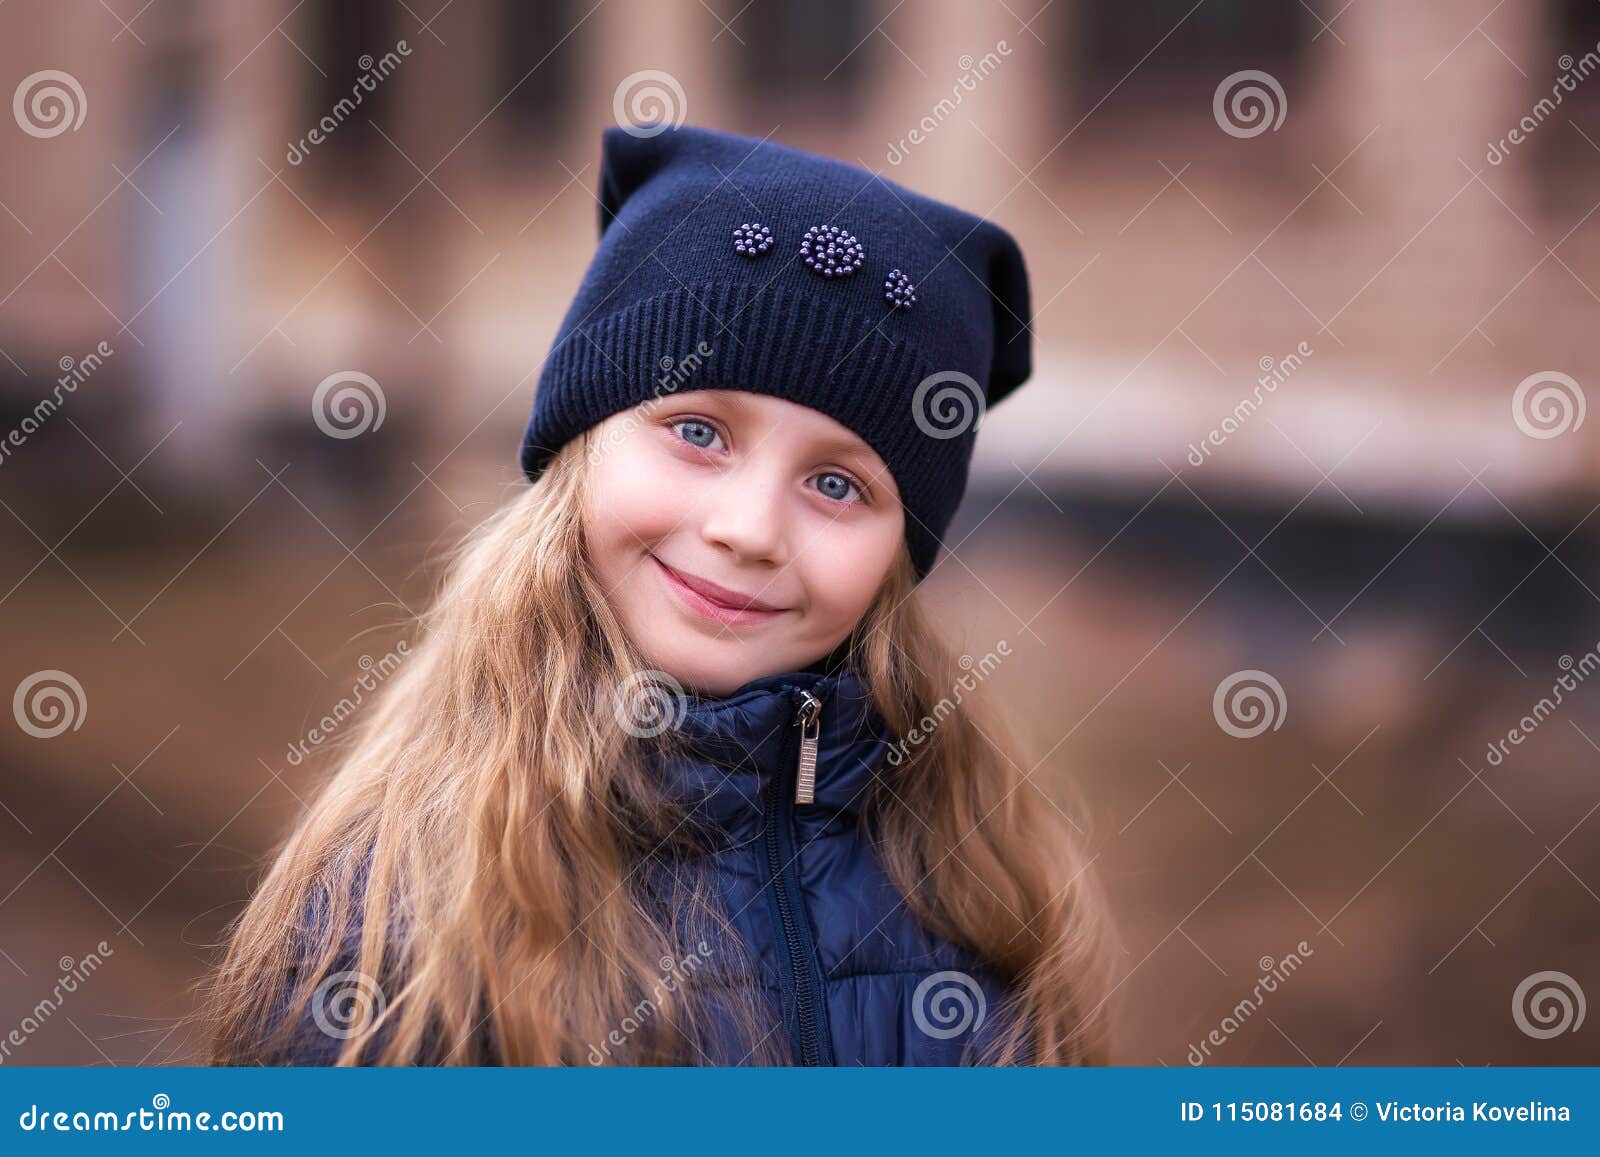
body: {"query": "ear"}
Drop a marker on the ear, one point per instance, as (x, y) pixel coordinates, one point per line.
(1013, 317)
(626, 162)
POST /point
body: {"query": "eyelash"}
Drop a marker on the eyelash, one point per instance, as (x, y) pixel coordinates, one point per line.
(717, 429)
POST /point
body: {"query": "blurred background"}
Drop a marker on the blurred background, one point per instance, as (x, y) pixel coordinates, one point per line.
(1292, 533)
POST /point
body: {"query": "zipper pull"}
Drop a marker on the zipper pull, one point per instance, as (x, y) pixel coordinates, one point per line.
(809, 722)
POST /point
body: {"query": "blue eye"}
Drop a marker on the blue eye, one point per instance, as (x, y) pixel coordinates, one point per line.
(694, 430)
(836, 486)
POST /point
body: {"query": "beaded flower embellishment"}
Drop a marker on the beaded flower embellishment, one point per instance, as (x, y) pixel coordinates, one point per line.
(752, 239)
(898, 290)
(831, 251)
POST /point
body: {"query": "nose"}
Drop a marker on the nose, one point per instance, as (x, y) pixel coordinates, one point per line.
(745, 516)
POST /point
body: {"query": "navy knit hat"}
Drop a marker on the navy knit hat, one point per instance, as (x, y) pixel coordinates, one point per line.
(731, 262)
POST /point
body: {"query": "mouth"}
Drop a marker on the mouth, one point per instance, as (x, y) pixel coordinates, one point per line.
(716, 602)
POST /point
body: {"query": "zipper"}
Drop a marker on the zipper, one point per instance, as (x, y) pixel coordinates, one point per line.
(802, 976)
(808, 719)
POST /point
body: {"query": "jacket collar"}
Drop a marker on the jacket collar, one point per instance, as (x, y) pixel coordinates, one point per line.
(742, 751)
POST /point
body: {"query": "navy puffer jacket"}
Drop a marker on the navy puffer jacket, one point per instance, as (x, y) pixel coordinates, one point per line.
(852, 977)
(829, 949)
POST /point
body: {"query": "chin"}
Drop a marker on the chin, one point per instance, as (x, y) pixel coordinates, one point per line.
(708, 680)
(714, 669)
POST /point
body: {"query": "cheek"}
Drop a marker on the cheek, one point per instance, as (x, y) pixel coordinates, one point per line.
(844, 568)
(632, 496)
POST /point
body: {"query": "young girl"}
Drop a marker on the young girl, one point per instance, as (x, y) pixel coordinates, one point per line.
(679, 771)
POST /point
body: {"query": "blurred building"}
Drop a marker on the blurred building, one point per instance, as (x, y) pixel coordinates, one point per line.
(1316, 292)
(433, 238)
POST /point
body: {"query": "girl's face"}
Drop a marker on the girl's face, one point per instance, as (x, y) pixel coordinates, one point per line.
(737, 535)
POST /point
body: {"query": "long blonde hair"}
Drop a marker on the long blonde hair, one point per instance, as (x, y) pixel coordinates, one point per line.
(485, 835)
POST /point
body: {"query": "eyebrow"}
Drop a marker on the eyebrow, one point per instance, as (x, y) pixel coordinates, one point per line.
(827, 444)
(845, 448)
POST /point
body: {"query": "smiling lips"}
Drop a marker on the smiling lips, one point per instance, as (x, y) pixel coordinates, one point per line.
(717, 602)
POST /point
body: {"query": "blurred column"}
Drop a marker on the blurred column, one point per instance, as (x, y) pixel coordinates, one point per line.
(52, 177)
(678, 37)
(187, 263)
(984, 95)
(1440, 91)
